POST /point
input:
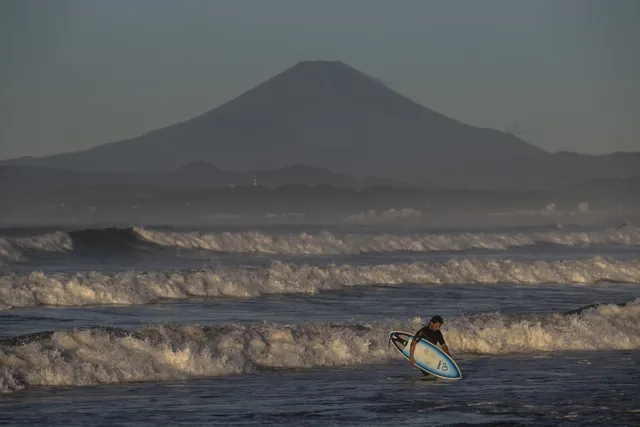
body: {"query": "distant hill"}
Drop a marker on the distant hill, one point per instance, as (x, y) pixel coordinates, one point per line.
(328, 115)
(201, 174)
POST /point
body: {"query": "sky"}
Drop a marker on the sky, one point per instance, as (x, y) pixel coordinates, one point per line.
(563, 75)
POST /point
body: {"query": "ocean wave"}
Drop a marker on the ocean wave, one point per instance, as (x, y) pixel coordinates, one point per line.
(135, 287)
(178, 352)
(85, 242)
(327, 243)
(13, 249)
(102, 242)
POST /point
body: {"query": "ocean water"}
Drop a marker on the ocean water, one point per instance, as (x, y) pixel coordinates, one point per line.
(290, 325)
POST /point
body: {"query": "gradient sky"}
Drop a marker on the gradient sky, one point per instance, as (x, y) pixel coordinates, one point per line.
(79, 73)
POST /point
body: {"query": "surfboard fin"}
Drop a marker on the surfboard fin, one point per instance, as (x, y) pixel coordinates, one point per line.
(398, 339)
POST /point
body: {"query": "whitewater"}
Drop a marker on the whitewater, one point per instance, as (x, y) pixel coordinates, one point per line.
(179, 352)
(18, 249)
(327, 243)
(135, 287)
(277, 326)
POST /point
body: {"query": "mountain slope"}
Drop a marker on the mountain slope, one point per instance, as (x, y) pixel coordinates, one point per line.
(317, 113)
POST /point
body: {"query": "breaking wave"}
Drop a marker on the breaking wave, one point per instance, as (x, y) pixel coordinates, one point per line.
(327, 243)
(134, 287)
(101, 242)
(87, 242)
(13, 249)
(178, 352)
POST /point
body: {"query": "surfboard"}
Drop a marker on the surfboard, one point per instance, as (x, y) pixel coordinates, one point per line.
(428, 357)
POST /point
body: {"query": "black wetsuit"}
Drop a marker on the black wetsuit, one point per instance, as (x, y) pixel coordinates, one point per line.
(434, 337)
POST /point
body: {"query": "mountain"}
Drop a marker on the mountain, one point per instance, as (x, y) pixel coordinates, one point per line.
(328, 115)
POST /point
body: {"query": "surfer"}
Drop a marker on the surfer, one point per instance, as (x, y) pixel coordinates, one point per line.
(431, 333)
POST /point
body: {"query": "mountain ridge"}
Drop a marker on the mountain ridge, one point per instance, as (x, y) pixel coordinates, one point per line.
(326, 114)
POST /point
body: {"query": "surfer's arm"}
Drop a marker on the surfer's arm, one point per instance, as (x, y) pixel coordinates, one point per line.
(412, 348)
(414, 342)
(443, 344)
(446, 349)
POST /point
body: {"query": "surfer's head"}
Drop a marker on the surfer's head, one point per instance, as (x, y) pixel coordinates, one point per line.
(436, 322)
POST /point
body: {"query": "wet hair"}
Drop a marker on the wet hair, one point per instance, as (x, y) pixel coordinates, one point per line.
(437, 319)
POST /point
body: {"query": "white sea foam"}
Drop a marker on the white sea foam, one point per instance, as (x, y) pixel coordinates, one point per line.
(178, 352)
(327, 243)
(324, 243)
(134, 287)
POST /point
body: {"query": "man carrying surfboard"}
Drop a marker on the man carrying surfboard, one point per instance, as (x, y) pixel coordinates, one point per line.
(431, 333)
